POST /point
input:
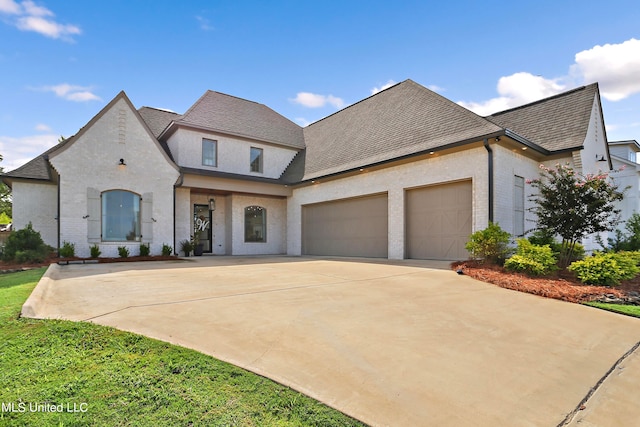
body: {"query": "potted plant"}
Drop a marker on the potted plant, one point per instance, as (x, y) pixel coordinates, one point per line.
(186, 246)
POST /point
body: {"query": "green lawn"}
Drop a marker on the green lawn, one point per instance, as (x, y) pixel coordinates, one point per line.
(117, 378)
(629, 310)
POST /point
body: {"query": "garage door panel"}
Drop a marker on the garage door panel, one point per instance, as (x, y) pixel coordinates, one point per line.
(350, 227)
(438, 221)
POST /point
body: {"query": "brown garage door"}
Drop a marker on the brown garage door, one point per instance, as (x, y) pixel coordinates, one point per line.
(438, 221)
(350, 227)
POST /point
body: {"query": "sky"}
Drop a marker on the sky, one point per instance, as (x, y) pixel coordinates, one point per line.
(62, 61)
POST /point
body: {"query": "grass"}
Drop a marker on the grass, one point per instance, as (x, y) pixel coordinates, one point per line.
(116, 378)
(629, 310)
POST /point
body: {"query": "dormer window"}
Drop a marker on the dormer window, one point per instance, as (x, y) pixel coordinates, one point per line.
(256, 160)
(632, 156)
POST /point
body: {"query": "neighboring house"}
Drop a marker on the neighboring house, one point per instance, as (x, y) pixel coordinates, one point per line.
(627, 176)
(404, 173)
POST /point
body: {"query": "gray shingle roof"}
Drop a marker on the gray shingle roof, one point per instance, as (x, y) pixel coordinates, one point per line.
(406, 118)
(157, 120)
(38, 168)
(556, 123)
(227, 114)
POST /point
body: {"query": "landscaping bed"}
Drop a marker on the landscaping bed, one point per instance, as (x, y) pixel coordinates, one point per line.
(10, 267)
(562, 286)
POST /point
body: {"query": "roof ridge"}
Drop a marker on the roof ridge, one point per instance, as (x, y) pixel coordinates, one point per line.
(362, 100)
(162, 110)
(539, 101)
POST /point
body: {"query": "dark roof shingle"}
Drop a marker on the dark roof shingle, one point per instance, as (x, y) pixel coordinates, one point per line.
(227, 114)
(402, 120)
(156, 119)
(556, 123)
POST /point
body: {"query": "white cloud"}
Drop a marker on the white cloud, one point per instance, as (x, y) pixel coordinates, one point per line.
(41, 127)
(18, 151)
(9, 7)
(514, 90)
(31, 17)
(205, 25)
(436, 88)
(71, 92)
(387, 85)
(312, 100)
(31, 8)
(615, 67)
(302, 121)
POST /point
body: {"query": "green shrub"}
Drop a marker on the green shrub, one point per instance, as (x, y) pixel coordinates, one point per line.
(145, 250)
(29, 243)
(186, 246)
(542, 237)
(491, 244)
(166, 250)
(68, 250)
(123, 251)
(606, 268)
(532, 259)
(95, 251)
(30, 256)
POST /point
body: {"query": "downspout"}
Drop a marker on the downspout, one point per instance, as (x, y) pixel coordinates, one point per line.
(490, 176)
(58, 217)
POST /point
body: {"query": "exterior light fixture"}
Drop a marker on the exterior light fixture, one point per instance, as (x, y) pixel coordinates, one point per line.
(212, 204)
(122, 163)
(600, 158)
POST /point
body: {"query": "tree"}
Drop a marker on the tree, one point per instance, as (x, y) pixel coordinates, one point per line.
(573, 205)
(5, 195)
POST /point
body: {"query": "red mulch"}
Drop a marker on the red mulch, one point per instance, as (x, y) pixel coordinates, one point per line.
(563, 286)
(10, 266)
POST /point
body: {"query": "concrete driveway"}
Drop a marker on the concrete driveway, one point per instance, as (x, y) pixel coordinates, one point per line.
(389, 343)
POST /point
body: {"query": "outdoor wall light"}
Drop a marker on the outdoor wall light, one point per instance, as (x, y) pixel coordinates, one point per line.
(212, 204)
(122, 163)
(600, 158)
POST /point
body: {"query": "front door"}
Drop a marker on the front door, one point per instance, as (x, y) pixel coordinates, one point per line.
(202, 227)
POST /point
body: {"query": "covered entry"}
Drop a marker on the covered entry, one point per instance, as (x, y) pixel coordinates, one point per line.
(349, 227)
(438, 221)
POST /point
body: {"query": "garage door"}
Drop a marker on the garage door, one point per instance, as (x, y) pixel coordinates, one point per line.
(438, 221)
(350, 227)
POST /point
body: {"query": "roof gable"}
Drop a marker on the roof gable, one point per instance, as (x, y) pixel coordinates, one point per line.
(121, 96)
(556, 123)
(402, 120)
(228, 114)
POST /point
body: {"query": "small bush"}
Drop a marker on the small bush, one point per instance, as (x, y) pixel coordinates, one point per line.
(29, 243)
(68, 250)
(166, 250)
(532, 259)
(186, 246)
(542, 237)
(29, 256)
(123, 251)
(145, 250)
(491, 244)
(95, 251)
(607, 269)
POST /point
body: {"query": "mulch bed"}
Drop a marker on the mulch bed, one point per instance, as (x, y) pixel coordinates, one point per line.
(8, 267)
(563, 286)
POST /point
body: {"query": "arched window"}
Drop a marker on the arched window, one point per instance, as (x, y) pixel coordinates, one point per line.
(255, 224)
(120, 216)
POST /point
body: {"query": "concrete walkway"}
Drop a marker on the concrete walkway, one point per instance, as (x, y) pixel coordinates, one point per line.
(390, 343)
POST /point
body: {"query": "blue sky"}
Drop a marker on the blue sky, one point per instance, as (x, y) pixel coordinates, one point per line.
(62, 61)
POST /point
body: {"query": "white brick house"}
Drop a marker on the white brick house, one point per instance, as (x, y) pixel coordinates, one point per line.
(404, 173)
